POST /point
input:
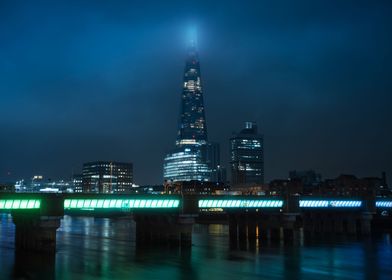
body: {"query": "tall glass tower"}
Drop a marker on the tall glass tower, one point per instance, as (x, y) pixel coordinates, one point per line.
(247, 157)
(190, 158)
(192, 124)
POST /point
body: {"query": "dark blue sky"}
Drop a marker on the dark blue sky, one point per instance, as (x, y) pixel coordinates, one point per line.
(101, 80)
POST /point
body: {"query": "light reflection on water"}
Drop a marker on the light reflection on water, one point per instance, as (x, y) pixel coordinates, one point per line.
(97, 248)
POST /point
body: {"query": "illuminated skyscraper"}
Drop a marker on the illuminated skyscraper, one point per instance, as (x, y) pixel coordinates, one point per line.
(247, 157)
(191, 159)
(192, 124)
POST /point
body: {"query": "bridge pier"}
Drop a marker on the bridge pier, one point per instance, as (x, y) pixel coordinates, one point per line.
(242, 227)
(252, 229)
(233, 230)
(338, 225)
(185, 226)
(351, 225)
(366, 219)
(166, 229)
(35, 232)
(338, 222)
(328, 223)
(289, 224)
(275, 234)
(263, 230)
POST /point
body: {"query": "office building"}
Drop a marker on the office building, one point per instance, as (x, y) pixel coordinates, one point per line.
(107, 177)
(247, 157)
(77, 182)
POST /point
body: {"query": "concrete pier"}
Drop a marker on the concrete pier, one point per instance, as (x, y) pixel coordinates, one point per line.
(365, 222)
(289, 226)
(242, 229)
(263, 230)
(164, 229)
(36, 233)
(252, 229)
(233, 230)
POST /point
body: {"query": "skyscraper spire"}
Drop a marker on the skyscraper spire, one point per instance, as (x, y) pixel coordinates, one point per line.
(188, 161)
(192, 124)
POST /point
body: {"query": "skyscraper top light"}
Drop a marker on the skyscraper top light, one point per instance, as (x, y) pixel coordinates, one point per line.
(193, 157)
(192, 36)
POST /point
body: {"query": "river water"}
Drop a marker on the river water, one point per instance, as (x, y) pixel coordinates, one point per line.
(100, 248)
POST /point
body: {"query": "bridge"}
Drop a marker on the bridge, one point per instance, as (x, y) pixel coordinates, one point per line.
(170, 218)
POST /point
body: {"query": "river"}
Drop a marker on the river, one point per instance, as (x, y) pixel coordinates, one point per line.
(103, 248)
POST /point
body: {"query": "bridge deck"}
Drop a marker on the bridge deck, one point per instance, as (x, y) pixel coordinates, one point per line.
(97, 201)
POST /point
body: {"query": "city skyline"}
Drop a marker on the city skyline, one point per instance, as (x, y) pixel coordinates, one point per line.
(316, 84)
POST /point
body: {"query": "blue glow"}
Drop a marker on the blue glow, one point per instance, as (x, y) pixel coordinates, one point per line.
(120, 203)
(330, 203)
(384, 204)
(240, 203)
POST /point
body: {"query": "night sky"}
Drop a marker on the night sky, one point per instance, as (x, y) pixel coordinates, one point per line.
(101, 80)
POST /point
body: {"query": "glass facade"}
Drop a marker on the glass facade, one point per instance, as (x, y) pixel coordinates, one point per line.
(107, 177)
(192, 124)
(247, 156)
(185, 164)
(193, 158)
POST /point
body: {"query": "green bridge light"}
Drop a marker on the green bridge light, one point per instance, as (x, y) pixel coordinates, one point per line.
(120, 203)
(239, 203)
(15, 204)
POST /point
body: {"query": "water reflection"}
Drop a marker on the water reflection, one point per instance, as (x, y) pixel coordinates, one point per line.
(106, 249)
(33, 266)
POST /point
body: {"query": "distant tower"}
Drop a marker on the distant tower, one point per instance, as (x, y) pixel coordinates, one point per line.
(247, 156)
(192, 158)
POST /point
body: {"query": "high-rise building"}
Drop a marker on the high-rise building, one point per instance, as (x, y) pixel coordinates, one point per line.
(247, 157)
(77, 183)
(192, 128)
(193, 156)
(107, 177)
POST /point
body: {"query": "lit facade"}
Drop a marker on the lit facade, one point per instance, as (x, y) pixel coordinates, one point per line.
(193, 158)
(107, 177)
(186, 163)
(247, 156)
(192, 128)
(77, 182)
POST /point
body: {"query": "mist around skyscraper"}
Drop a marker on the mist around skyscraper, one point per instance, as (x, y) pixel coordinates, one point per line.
(194, 157)
(195, 140)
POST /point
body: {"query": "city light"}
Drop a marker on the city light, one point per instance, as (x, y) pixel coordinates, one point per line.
(383, 204)
(329, 203)
(120, 203)
(239, 203)
(13, 204)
